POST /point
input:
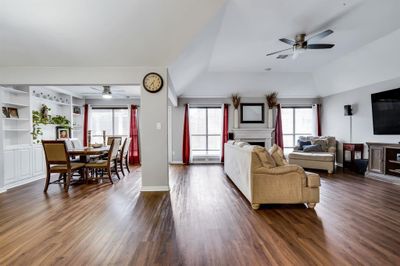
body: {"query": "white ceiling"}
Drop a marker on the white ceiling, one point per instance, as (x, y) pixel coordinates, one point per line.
(95, 91)
(99, 32)
(230, 58)
(211, 47)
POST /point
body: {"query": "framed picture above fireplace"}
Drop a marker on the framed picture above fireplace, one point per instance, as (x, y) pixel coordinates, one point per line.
(252, 113)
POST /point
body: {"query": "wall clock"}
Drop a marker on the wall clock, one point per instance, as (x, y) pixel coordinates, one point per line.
(153, 82)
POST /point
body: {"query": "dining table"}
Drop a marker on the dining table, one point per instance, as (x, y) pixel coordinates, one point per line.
(85, 152)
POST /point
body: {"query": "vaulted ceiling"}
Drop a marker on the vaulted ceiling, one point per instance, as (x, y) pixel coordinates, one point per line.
(211, 47)
(229, 55)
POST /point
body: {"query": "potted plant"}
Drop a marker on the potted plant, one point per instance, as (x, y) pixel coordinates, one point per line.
(272, 101)
(236, 103)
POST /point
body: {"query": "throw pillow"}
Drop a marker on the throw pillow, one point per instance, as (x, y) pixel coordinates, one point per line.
(321, 141)
(265, 158)
(312, 148)
(302, 143)
(278, 156)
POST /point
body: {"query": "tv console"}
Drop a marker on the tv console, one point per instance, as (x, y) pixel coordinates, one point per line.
(384, 161)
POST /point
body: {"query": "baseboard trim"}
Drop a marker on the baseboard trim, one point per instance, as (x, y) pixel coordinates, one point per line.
(176, 162)
(339, 164)
(2, 190)
(23, 182)
(154, 188)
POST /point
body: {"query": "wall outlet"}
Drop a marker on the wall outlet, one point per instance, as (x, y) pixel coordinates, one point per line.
(158, 126)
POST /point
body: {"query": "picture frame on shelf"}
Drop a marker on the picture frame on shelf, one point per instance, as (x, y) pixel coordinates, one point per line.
(13, 112)
(77, 110)
(63, 133)
(5, 113)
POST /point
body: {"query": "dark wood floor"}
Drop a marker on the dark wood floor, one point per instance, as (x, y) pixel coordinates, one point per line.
(204, 220)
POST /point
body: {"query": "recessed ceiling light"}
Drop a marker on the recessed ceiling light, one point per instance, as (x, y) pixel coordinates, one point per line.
(268, 69)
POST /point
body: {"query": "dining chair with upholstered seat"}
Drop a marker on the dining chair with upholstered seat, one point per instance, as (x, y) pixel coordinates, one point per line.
(110, 139)
(107, 165)
(58, 161)
(123, 156)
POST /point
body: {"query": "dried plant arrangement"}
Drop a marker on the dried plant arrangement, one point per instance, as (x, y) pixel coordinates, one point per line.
(272, 99)
(236, 101)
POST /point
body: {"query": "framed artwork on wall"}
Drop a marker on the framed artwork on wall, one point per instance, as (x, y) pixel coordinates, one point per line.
(252, 113)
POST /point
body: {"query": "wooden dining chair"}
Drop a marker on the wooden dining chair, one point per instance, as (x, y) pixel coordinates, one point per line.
(109, 165)
(123, 159)
(110, 139)
(58, 161)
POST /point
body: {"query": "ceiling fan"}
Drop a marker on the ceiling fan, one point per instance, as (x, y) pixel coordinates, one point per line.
(301, 44)
(105, 92)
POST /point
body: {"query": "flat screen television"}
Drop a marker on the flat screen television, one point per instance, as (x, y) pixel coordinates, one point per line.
(386, 112)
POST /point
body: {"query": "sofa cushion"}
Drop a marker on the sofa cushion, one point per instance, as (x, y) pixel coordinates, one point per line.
(278, 156)
(241, 143)
(312, 156)
(313, 180)
(312, 148)
(265, 158)
(321, 141)
(302, 143)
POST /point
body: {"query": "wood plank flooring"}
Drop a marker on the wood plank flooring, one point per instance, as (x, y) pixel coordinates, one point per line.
(204, 220)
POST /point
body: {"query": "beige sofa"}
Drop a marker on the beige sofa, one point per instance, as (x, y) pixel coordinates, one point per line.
(262, 185)
(316, 160)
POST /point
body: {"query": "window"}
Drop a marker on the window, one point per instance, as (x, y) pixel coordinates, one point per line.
(296, 122)
(115, 121)
(206, 133)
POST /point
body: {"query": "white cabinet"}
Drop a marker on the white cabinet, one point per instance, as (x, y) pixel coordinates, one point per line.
(38, 162)
(24, 162)
(9, 167)
(17, 164)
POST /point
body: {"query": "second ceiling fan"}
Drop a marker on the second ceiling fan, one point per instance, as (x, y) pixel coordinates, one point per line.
(302, 44)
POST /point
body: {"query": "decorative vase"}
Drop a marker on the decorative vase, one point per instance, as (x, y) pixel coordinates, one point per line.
(235, 118)
(270, 118)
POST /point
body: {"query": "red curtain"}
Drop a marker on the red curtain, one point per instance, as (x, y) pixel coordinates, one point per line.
(85, 124)
(225, 130)
(134, 154)
(186, 137)
(319, 120)
(278, 127)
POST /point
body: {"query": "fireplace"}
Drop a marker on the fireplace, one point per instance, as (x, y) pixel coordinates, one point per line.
(259, 143)
(255, 136)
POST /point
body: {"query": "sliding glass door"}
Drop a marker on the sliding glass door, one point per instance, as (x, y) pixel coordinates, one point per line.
(206, 133)
(115, 121)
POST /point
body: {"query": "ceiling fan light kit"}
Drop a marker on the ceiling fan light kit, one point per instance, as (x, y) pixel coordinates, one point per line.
(300, 45)
(107, 92)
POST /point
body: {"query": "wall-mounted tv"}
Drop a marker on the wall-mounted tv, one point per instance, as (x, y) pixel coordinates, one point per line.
(386, 112)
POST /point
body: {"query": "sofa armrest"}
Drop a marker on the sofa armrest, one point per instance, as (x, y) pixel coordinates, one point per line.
(332, 150)
(280, 170)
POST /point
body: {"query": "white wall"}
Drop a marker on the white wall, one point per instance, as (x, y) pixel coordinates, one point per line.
(334, 122)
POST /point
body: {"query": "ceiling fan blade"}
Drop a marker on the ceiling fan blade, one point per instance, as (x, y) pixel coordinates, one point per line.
(320, 46)
(320, 35)
(287, 41)
(282, 56)
(277, 52)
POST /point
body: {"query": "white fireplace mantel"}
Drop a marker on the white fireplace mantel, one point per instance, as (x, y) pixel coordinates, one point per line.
(265, 135)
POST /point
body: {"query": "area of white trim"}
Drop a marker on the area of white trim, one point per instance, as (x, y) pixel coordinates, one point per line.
(339, 164)
(176, 162)
(2, 189)
(154, 188)
(23, 182)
